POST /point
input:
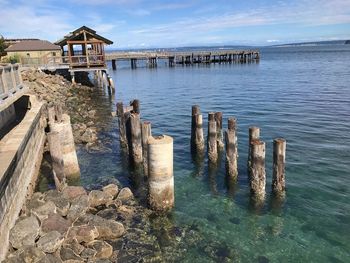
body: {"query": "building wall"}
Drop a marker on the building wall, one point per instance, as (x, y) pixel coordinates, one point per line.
(37, 57)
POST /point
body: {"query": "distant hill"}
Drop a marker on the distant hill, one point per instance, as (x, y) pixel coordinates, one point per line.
(316, 43)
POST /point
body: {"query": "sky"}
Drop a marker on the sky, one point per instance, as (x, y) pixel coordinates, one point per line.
(156, 23)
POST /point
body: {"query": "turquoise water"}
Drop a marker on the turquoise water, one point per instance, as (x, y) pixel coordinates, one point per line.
(299, 93)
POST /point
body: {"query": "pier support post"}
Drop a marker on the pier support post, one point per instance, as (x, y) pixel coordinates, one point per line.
(219, 138)
(51, 115)
(122, 125)
(59, 112)
(254, 134)
(71, 165)
(212, 138)
(136, 140)
(73, 77)
(257, 173)
(57, 159)
(231, 149)
(160, 172)
(114, 64)
(146, 133)
(135, 106)
(197, 136)
(279, 161)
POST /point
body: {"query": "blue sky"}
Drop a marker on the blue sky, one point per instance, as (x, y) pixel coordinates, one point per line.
(155, 23)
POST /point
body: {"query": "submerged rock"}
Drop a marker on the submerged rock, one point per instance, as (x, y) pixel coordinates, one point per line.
(104, 250)
(24, 232)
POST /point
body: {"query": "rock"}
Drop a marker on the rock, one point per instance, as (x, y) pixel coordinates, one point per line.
(50, 242)
(108, 213)
(97, 198)
(73, 244)
(104, 250)
(68, 254)
(71, 192)
(84, 233)
(50, 259)
(89, 136)
(107, 229)
(78, 207)
(125, 194)
(43, 211)
(60, 202)
(88, 253)
(27, 254)
(111, 189)
(55, 222)
(24, 232)
(125, 212)
(36, 200)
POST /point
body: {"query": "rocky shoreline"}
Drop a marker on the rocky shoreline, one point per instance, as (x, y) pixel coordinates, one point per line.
(77, 225)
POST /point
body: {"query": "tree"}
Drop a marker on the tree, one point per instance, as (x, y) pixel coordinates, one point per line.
(3, 46)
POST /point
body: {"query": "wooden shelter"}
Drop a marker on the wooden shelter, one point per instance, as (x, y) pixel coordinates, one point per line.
(83, 49)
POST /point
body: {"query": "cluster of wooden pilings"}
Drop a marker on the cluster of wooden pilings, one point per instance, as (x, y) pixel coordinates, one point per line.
(103, 79)
(153, 154)
(256, 155)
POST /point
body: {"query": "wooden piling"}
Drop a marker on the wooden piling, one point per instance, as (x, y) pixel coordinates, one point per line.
(257, 173)
(114, 64)
(56, 156)
(160, 173)
(279, 161)
(254, 134)
(135, 106)
(122, 125)
(136, 139)
(219, 136)
(212, 138)
(231, 149)
(146, 133)
(197, 136)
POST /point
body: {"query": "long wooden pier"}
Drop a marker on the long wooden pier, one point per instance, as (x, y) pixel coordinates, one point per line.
(185, 58)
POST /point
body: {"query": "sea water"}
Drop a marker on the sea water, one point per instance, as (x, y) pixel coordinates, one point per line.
(299, 93)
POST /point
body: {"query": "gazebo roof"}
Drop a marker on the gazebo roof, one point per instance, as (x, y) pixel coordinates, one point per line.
(78, 35)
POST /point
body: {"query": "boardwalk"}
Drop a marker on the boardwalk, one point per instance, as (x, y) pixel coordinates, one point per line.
(185, 58)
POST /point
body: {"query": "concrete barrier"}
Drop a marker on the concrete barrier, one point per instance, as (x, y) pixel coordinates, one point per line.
(21, 152)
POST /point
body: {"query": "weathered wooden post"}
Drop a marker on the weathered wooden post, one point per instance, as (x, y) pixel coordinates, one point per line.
(57, 159)
(121, 125)
(136, 140)
(257, 173)
(212, 135)
(135, 106)
(231, 149)
(219, 137)
(197, 137)
(114, 65)
(160, 173)
(279, 162)
(254, 134)
(146, 133)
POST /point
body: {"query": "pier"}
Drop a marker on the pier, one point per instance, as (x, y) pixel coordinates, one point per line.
(184, 58)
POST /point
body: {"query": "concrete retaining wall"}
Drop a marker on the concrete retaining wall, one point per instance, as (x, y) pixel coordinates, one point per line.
(21, 152)
(7, 116)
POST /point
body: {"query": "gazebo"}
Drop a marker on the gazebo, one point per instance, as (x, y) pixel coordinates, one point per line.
(83, 50)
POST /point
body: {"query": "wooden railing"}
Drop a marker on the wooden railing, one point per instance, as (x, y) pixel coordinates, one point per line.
(10, 81)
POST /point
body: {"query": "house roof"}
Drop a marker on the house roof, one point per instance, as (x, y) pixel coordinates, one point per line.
(32, 45)
(78, 34)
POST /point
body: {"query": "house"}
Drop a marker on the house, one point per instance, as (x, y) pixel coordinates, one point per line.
(35, 52)
(83, 49)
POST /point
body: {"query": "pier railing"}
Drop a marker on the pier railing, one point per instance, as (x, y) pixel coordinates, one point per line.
(10, 81)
